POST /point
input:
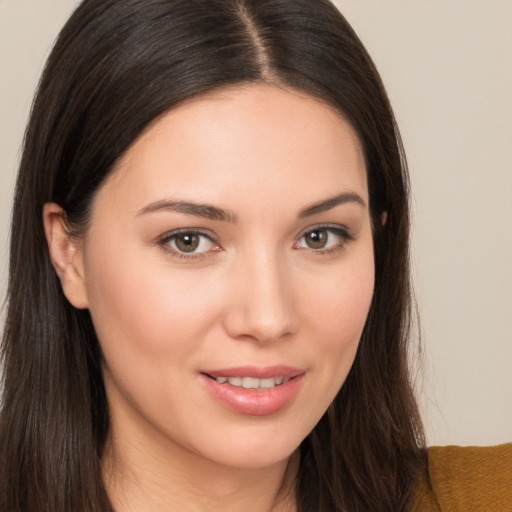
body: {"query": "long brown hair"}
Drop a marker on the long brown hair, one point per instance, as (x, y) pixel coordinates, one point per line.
(116, 66)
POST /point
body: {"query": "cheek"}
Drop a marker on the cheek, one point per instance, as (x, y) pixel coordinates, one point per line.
(340, 302)
(147, 308)
(334, 308)
(337, 310)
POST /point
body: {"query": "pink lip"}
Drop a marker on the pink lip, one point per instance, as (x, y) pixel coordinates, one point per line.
(255, 402)
(256, 372)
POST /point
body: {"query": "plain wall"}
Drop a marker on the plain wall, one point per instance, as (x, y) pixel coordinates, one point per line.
(447, 66)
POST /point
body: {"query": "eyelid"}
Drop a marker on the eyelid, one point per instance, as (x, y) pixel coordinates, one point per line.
(338, 230)
(164, 242)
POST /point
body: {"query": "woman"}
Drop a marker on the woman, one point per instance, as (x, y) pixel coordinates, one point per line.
(209, 296)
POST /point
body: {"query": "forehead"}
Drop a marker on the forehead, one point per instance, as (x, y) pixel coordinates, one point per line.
(247, 140)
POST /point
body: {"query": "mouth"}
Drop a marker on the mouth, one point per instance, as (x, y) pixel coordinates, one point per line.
(256, 391)
(251, 382)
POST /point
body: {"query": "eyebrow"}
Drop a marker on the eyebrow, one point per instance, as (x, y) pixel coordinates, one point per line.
(206, 211)
(330, 203)
(211, 212)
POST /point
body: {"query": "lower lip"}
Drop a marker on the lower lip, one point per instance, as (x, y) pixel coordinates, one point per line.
(254, 402)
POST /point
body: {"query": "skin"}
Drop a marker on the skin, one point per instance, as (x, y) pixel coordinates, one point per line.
(256, 291)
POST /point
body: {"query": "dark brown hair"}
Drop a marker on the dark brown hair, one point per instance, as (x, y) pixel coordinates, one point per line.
(116, 66)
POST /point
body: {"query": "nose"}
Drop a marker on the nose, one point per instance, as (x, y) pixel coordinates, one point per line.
(262, 302)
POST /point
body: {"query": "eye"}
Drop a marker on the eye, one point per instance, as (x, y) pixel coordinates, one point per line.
(188, 243)
(323, 239)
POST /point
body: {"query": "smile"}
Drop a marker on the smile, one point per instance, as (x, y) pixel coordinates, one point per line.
(252, 390)
(252, 382)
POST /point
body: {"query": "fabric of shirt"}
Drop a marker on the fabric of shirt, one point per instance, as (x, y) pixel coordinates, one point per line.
(467, 479)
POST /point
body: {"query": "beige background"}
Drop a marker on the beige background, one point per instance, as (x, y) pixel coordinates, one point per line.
(447, 65)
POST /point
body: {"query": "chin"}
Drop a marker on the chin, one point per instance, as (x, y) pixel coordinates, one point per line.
(253, 448)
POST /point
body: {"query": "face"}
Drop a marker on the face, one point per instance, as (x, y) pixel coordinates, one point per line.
(228, 268)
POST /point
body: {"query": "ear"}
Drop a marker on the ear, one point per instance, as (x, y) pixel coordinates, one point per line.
(383, 218)
(66, 255)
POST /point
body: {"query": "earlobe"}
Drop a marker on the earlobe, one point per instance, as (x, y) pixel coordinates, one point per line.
(383, 218)
(66, 255)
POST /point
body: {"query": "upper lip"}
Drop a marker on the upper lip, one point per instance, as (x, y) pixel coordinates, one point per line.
(256, 372)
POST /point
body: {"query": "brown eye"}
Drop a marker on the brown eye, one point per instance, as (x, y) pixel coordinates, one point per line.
(187, 242)
(316, 239)
(324, 239)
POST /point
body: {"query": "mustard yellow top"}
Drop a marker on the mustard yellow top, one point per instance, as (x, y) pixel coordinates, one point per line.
(467, 479)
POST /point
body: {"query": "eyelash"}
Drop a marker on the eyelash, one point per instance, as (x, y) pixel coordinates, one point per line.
(173, 236)
(340, 232)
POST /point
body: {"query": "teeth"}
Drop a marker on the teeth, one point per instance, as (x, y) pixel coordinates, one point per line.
(252, 383)
(269, 383)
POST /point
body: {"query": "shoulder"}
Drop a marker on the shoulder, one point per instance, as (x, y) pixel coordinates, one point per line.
(471, 478)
